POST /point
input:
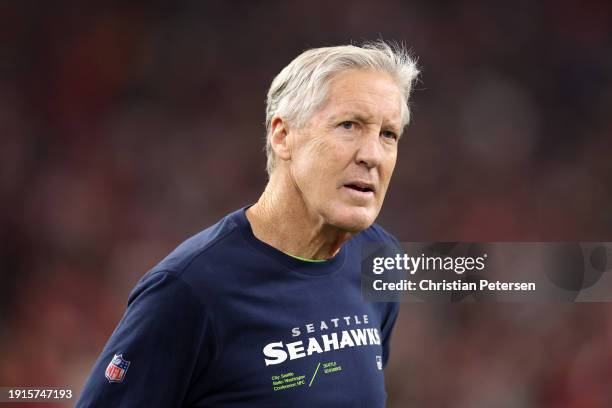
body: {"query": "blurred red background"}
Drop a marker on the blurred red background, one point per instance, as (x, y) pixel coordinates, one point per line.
(126, 127)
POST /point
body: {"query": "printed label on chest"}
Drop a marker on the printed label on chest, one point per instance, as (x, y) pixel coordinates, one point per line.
(333, 334)
(291, 380)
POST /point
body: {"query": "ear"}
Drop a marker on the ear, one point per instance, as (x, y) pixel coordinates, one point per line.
(280, 138)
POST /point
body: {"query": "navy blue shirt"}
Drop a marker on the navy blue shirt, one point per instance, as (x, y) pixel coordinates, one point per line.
(229, 321)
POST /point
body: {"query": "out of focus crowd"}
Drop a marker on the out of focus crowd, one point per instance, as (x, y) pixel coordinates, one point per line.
(125, 127)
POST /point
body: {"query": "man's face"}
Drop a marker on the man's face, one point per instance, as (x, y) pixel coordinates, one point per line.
(343, 158)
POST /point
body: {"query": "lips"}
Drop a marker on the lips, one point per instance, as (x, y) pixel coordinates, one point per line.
(362, 186)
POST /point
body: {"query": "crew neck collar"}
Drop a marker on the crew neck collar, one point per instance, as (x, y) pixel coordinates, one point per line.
(307, 268)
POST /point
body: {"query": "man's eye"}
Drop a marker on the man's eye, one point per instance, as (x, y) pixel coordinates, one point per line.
(389, 134)
(348, 125)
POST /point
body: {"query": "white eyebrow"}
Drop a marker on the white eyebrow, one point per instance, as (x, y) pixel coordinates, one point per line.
(365, 118)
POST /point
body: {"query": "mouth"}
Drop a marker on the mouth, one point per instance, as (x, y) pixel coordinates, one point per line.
(362, 187)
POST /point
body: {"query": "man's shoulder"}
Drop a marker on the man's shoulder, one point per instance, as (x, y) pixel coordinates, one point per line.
(219, 237)
(195, 262)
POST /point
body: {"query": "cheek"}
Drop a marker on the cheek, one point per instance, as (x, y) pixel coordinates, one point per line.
(321, 159)
(311, 168)
(319, 148)
(386, 170)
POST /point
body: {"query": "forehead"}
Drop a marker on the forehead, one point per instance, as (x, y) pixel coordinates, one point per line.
(366, 92)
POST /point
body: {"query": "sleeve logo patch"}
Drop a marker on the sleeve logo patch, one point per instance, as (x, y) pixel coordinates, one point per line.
(116, 369)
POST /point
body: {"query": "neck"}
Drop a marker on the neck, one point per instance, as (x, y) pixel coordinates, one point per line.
(281, 219)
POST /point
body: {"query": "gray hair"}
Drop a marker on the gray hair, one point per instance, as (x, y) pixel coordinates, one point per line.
(301, 87)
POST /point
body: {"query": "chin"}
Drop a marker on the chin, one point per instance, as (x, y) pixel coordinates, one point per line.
(352, 219)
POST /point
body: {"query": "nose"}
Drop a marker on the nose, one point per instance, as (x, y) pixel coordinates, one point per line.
(369, 152)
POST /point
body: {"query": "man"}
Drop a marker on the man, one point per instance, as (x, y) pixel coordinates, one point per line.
(264, 308)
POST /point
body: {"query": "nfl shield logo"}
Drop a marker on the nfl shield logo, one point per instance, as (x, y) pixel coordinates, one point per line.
(116, 369)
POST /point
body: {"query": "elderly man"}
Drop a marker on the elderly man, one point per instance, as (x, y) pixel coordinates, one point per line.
(264, 308)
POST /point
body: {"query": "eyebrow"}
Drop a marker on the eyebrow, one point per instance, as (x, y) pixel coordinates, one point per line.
(352, 114)
(364, 118)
